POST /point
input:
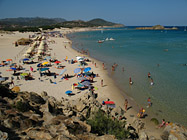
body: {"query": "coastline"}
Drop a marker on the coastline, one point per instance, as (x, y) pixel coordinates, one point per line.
(110, 90)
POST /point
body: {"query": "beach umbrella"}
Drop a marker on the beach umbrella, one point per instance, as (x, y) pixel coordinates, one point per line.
(26, 59)
(82, 78)
(68, 92)
(13, 68)
(88, 73)
(39, 65)
(8, 59)
(43, 69)
(77, 70)
(2, 79)
(86, 83)
(57, 62)
(44, 63)
(62, 71)
(24, 74)
(80, 85)
(87, 69)
(48, 57)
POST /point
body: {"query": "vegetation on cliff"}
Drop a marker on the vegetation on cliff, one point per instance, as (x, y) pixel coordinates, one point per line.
(33, 24)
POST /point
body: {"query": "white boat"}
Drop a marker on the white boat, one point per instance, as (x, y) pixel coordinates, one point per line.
(100, 41)
(111, 38)
(106, 39)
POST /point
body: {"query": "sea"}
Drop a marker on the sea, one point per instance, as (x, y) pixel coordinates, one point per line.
(163, 53)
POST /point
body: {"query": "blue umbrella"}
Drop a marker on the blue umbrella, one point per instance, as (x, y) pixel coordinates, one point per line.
(62, 71)
(2, 79)
(13, 68)
(82, 78)
(25, 59)
(77, 70)
(87, 69)
(48, 57)
(68, 92)
(39, 65)
(42, 69)
(86, 83)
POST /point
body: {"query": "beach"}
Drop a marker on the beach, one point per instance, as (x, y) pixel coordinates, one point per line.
(61, 49)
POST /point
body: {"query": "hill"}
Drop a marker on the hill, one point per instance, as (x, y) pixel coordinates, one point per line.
(29, 24)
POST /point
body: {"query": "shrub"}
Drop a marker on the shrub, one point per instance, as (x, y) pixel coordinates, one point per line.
(102, 124)
(21, 106)
(155, 121)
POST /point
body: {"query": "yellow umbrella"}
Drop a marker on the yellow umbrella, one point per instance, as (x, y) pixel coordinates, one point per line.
(44, 63)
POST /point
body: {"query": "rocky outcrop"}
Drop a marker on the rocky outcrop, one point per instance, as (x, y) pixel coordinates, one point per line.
(174, 131)
(156, 27)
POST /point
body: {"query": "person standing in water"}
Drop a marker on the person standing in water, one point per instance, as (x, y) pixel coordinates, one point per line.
(149, 102)
(152, 83)
(149, 75)
(130, 81)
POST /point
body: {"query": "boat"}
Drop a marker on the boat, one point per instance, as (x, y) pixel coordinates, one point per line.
(100, 41)
(106, 39)
(185, 29)
(111, 39)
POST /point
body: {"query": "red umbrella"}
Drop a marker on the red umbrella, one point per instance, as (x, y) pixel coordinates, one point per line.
(57, 62)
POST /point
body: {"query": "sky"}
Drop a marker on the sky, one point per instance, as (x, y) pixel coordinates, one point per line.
(127, 12)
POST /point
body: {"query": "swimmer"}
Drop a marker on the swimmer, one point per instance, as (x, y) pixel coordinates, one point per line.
(130, 81)
(152, 83)
(149, 75)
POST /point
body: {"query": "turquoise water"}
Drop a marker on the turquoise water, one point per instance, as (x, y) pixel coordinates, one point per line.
(162, 53)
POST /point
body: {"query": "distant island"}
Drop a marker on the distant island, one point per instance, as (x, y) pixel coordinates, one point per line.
(36, 23)
(156, 27)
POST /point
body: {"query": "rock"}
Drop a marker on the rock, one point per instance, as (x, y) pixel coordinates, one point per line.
(143, 136)
(106, 137)
(34, 97)
(118, 111)
(139, 125)
(175, 131)
(44, 94)
(152, 138)
(3, 135)
(80, 106)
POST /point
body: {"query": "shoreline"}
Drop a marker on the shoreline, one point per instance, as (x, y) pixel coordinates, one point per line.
(110, 90)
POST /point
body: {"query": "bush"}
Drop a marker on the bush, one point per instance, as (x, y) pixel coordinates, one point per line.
(21, 106)
(155, 121)
(102, 124)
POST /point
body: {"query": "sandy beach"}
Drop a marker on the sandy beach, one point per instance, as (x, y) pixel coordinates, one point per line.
(61, 50)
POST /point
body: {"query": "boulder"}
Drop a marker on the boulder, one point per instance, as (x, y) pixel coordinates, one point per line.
(143, 136)
(3, 135)
(80, 106)
(138, 124)
(34, 97)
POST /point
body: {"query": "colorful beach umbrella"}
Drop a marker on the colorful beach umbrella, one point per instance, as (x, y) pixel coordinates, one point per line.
(13, 68)
(43, 69)
(86, 83)
(2, 79)
(62, 71)
(57, 62)
(77, 70)
(48, 57)
(24, 74)
(8, 59)
(39, 65)
(87, 69)
(26, 59)
(44, 63)
(68, 92)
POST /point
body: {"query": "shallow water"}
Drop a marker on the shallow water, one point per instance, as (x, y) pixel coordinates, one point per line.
(162, 53)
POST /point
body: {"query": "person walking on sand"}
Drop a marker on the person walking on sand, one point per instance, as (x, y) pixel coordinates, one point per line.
(126, 104)
(103, 66)
(102, 83)
(149, 102)
(31, 68)
(95, 64)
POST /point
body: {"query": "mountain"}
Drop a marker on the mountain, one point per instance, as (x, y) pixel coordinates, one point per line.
(101, 22)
